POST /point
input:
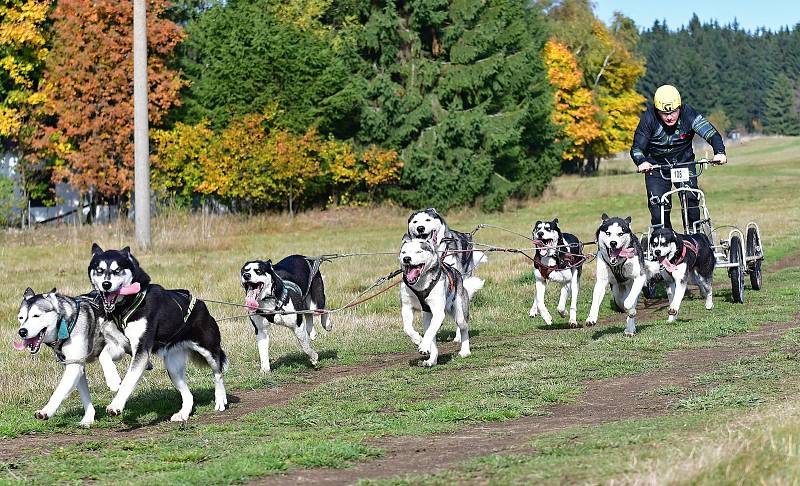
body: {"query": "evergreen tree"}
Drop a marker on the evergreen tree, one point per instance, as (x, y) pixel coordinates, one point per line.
(242, 58)
(781, 116)
(460, 90)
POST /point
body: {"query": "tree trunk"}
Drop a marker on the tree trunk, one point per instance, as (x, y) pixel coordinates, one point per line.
(140, 124)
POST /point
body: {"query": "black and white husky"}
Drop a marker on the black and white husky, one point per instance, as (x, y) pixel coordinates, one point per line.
(70, 326)
(558, 258)
(433, 288)
(169, 323)
(286, 286)
(620, 262)
(457, 247)
(683, 257)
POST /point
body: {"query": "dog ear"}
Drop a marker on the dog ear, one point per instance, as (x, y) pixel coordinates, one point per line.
(604, 217)
(53, 291)
(555, 221)
(628, 220)
(96, 249)
(406, 238)
(29, 293)
(127, 252)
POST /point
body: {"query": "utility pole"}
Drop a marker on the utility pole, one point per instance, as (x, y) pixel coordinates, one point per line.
(141, 144)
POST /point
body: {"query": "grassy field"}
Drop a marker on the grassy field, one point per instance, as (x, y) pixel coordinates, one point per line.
(735, 423)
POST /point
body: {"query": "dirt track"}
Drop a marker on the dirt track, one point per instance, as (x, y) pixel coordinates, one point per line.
(603, 401)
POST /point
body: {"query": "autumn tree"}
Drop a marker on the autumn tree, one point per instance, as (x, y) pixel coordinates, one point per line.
(611, 67)
(23, 50)
(575, 111)
(85, 127)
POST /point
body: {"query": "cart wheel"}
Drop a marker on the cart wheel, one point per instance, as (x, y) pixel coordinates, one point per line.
(754, 249)
(736, 273)
(649, 289)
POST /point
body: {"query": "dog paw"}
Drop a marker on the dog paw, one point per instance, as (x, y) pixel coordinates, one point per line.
(313, 334)
(547, 320)
(533, 312)
(573, 324)
(41, 415)
(179, 417)
(314, 358)
(590, 323)
(219, 406)
(628, 333)
(427, 363)
(670, 319)
(464, 353)
(709, 305)
(562, 312)
(113, 410)
(424, 347)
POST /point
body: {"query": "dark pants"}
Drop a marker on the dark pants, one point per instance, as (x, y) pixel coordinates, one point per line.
(657, 186)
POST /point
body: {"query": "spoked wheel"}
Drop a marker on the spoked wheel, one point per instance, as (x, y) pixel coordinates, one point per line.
(754, 249)
(649, 289)
(736, 273)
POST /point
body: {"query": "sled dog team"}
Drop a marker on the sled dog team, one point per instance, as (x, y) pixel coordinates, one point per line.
(126, 313)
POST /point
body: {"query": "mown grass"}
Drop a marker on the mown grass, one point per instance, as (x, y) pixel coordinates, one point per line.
(518, 366)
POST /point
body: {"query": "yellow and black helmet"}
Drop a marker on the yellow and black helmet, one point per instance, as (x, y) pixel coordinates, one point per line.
(667, 98)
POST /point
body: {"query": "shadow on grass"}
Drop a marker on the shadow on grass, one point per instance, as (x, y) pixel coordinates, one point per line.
(162, 403)
(608, 330)
(449, 335)
(442, 359)
(298, 359)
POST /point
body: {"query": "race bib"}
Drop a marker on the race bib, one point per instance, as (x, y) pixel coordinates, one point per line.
(680, 174)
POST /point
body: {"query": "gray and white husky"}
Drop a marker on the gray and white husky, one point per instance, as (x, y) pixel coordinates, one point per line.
(558, 258)
(683, 258)
(620, 262)
(457, 247)
(155, 320)
(70, 326)
(433, 288)
(285, 286)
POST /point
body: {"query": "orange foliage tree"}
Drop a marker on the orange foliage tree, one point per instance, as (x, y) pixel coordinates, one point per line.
(575, 111)
(251, 164)
(85, 126)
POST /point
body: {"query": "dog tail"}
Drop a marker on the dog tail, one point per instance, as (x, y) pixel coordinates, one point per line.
(472, 285)
(224, 360)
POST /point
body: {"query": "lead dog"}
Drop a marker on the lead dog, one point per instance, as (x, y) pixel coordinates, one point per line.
(155, 320)
(70, 326)
(286, 286)
(620, 262)
(434, 289)
(683, 257)
(456, 247)
(558, 258)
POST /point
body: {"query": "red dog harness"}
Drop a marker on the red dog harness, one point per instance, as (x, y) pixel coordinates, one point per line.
(670, 266)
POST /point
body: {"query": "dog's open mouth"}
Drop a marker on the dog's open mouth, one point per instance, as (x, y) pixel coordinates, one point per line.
(412, 273)
(32, 344)
(109, 300)
(544, 246)
(253, 293)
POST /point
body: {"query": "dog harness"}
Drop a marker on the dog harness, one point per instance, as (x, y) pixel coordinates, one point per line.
(672, 266)
(570, 260)
(65, 329)
(281, 301)
(617, 269)
(423, 294)
(121, 320)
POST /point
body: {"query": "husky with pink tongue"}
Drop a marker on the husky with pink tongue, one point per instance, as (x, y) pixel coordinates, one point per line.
(620, 263)
(274, 293)
(71, 328)
(170, 323)
(433, 288)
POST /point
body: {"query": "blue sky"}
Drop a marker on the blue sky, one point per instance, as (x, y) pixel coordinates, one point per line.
(750, 14)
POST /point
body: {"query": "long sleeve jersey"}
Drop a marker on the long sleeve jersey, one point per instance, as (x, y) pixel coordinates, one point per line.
(657, 143)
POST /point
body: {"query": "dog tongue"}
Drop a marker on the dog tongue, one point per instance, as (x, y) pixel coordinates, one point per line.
(623, 252)
(413, 273)
(24, 344)
(131, 289)
(250, 301)
(668, 266)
